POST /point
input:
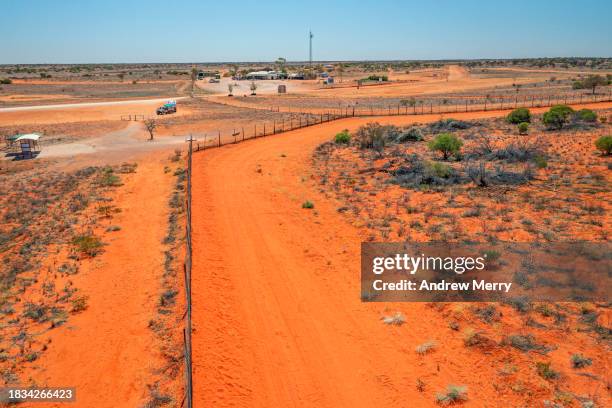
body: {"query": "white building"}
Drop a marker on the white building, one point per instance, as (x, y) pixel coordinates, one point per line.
(263, 75)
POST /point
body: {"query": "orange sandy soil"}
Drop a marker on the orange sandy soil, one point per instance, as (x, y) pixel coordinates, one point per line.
(452, 78)
(278, 321)
(108, 352)
(81, 114)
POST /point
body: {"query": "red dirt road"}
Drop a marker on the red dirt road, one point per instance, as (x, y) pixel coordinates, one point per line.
(278, 320)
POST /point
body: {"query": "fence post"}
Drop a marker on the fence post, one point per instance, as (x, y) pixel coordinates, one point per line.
(243, 134)
(219, 138)
(264, 132)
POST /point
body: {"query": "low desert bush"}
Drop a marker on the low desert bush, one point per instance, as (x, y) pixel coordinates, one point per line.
(308, 205)
(108, 178)
(412, 134)
(449, 125)
(525, 343)
(418, 173)
(586, 115)
(520, 115)
(540, 162)
(79, 304)
(447, 144)
(579, 361)
(6, 81)
(557, 116)
(425, 347)
(440, 170)
(545, 371)
(375, 136)
(396, 319)
(604, 144)
(523, 128)
(89, 245)
(453, 394)
(343, 137)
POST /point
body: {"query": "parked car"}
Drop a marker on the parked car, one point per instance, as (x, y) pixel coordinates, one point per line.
(167, 108)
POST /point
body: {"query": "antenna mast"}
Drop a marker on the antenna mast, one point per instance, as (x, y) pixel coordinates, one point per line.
(310, 35)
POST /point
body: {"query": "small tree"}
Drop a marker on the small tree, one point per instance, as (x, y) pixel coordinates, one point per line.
(253, 88)
(446, 143)
(230, 88)
(519, 115)
(604, 144)
(281, 63)
(523, 127)
(593, 81)
(557, 116)
(150, 125)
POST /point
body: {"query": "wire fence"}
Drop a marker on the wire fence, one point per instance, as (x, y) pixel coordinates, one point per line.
(453, 104)
(298, 120)
(188, 398)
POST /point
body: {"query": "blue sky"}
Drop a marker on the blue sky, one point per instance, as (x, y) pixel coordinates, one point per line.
(49, 31)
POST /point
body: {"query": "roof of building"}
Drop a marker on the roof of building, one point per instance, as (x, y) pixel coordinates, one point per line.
(263, 73)
(29, 136)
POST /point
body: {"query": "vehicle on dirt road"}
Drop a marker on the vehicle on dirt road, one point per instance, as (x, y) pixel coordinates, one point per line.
(167, 108)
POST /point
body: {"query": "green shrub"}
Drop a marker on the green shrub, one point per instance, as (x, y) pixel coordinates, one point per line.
(307, 204)
(6, 81)
(79, 304)
(89, 245)
(604, 144)
(519, 115)
(579, 361)
(586, 115)
(343, 137)
(446, 143)
(545, 371)
(523, 127)
(440, 169)
(453, 394)
(375, 136)
(557, 116)
(108, 178)
(540, 162)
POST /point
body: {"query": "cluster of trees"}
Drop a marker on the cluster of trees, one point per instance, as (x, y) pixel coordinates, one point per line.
(592, 82)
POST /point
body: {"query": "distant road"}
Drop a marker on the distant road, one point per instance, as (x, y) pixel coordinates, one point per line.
(87, 104)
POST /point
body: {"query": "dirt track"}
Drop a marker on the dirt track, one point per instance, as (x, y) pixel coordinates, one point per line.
(277, 315)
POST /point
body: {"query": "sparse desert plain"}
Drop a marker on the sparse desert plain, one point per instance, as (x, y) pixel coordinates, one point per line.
(122, 269)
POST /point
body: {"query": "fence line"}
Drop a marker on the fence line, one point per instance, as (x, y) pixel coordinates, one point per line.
(414, 106)
(298, 120)
(188, 398)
